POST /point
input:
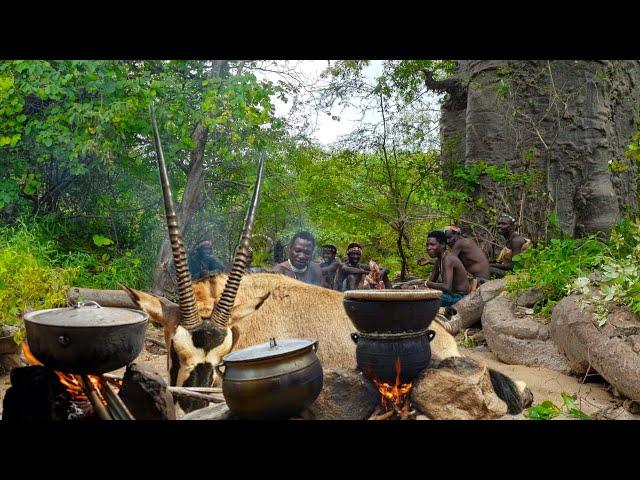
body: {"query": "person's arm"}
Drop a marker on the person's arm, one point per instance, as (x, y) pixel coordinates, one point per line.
(316, 275)
(448, 277)
(346, 268)
(330, 268)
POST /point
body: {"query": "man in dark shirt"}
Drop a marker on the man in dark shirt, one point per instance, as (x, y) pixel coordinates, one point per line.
(201, 261)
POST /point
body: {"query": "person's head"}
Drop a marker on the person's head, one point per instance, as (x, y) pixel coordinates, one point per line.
(301, 249)
(329, 252)
(354, 252)
(506, 224)
(452, 234)
(436, 243)
(204, 247)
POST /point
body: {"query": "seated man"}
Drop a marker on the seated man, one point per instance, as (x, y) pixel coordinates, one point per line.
(299, 264)
(351, 274)
(201, 261)
(469, 253)
(448, 274)
(514, 245)
(329, 265)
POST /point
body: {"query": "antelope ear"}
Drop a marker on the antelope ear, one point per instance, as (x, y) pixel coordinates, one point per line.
(160, 310)
(246, 309)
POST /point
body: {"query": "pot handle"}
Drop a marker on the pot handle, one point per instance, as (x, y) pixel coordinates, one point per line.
(355, 337)
(431, 334)
(315, 346)
(220, 372)
(86, 304)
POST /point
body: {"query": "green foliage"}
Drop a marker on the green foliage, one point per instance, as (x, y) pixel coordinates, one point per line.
(562, 266)
(36, 272)
(548, 410)
(620, 282)
(550, 267)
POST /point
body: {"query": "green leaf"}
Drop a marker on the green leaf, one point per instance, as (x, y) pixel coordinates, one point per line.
(101, 241)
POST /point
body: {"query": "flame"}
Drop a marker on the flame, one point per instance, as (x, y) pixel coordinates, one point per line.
(68, 380)
(394, 395)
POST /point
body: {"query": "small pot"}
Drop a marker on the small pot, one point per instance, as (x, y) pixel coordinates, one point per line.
(391, 311)
(271, 380)
(376, 354)
(87, 338)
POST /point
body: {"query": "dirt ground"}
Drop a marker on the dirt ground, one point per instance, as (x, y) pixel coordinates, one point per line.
(594, 398)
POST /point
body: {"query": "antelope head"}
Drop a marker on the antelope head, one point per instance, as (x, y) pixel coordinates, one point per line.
(196, 339)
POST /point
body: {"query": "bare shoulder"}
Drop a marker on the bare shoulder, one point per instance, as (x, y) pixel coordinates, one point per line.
(279, 268)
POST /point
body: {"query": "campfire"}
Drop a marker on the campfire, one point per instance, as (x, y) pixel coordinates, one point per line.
(87, 394)
(394, 399)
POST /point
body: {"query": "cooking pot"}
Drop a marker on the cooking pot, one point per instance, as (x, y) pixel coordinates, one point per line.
(86, 338)
(376, 354)
(391, 311)
(271, 380)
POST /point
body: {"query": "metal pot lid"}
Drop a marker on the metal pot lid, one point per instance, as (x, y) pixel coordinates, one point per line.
(392, 295)
(271, 349)
(88, 314)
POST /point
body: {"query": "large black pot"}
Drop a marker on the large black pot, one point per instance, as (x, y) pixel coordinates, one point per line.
(376, 354)
(274, 380)
(391, 311)
(86, 339)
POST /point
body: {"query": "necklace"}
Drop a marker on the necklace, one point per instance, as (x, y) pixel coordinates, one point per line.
(297, 270)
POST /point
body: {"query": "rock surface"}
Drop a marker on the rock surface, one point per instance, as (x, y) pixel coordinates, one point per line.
(586, 346)
(530, 297)
(145, 394)
(459, 389)
(469, 309)
(346, 395)
(520, 341)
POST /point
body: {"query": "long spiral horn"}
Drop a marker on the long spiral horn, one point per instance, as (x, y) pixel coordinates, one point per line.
(188, 311)
(221, 312)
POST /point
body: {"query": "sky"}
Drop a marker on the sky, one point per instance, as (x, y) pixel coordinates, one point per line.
(329, 130)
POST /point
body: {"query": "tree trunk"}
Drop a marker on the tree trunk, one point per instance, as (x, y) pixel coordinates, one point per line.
(163, 277)
(561, 128)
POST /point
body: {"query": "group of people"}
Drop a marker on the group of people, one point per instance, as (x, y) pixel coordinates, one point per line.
(456, 270)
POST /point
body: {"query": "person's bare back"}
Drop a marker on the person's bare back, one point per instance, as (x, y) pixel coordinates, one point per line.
(472, 257)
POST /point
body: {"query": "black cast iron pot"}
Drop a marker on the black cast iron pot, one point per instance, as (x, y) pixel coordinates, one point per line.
(87, 338)
(377, 354)
(271, 380)
(392, 311)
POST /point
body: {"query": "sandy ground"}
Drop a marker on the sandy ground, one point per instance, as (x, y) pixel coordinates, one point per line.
(592, 398)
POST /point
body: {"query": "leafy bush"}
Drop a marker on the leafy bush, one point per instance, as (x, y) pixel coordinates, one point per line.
(620, 282)
(550, 267)
(36, 272)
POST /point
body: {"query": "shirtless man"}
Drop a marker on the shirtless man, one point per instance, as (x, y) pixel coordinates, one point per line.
(514, 245)
(299, 264)
(448, 274)
(329, 265)
(351, 274)
(469, 253)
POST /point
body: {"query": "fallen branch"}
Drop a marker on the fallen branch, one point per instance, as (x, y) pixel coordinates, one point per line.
(183, 392)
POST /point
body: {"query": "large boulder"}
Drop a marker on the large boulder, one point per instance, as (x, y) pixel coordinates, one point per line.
(346, 395)
(606, 350)
(469, 309)
(520, 341)
(458, 389)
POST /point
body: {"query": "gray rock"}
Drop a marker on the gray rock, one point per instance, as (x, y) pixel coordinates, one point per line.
(145, 394)
(459, 389)
(586, 346)
(346, 395)
(530, 297)
(520, 341)
(469, 309)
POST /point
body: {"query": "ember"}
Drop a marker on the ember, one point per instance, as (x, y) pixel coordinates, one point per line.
(87, 391)
(393, 398)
